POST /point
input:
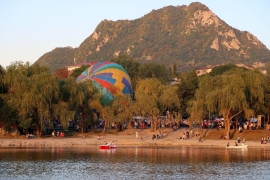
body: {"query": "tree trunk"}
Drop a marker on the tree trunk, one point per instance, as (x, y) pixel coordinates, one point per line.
(82, 124)
(227, 127)
(83, 120)
(267, 127)
(201, 126)
(116, 127)
(37, 120)
(39, 131)
(152, 124)
(104, 128)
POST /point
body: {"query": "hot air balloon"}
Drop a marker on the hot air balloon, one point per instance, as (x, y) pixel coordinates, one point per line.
(109, 77)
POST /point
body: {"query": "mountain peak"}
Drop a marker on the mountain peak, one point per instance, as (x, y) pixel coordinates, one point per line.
(191, 36)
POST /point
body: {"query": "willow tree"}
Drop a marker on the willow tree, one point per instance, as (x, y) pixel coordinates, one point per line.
(8, 113)
(123, 109)
(267, 99)
(107, 115)
(229, 94)
(153, 97)
(168, 98)
(32, 91)
(146, 95)
(80, 96)
(186, 90)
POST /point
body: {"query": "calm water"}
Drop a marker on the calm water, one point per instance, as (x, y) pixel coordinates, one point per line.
(134, 163)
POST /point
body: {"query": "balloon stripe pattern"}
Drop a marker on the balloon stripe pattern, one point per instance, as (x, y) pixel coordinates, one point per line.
(108, 75)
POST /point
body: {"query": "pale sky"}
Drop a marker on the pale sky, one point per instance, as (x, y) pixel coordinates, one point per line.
(31, 28)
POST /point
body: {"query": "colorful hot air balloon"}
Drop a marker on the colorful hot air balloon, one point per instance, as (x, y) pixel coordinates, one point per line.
(109, 77)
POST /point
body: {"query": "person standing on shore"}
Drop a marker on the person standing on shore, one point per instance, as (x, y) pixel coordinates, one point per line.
(53, 133)
(200, 139)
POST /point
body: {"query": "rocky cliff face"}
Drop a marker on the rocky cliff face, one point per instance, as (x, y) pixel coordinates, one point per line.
(191, 36)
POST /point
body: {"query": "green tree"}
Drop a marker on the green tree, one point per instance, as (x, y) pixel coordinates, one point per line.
(229, 94)
(79, 71)
(123, 109)
(222, 69)
(168, 99)
(267, 68)
(173, 69)
(32, 91)
(80, 96)
(146, 95)
(153, 98)
(151, 70)
(186, 90)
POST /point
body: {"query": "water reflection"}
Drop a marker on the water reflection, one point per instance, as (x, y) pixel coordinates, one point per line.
(133, 163)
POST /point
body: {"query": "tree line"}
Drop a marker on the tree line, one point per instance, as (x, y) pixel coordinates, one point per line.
(30, 96)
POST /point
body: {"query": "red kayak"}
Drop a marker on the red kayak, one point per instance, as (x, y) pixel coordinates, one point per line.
(107, 146)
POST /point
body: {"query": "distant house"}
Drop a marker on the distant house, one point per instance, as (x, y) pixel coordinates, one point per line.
(71, 68)
(174, 81)
(75, 66)
(203, 71)
(208, 69)
(258, 65)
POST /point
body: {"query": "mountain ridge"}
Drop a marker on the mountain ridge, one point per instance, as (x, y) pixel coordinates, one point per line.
(191, 36)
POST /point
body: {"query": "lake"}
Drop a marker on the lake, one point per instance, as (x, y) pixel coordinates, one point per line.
(134, 163)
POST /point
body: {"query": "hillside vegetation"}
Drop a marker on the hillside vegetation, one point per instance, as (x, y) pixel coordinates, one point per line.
(191, 36)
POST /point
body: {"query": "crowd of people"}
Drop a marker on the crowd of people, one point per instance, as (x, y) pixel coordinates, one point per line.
(265, 140)
(58, 134)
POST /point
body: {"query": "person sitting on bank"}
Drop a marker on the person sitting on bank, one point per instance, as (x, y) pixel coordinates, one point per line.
(221, 136)
(108, 143)
(30, 136)
(228, 144)
(238, 139)
(236, 144)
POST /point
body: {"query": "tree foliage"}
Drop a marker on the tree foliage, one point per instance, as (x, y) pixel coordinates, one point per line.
(229, 95)
(32, 91)
(151, 70)
(186, 90)
(61, 73)
(218, 70)
(79, 71)
(153, 98)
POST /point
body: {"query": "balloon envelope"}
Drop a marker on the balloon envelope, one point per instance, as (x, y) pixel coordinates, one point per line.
(109, 77)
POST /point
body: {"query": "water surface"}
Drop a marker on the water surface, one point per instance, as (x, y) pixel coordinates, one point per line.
(134, 163)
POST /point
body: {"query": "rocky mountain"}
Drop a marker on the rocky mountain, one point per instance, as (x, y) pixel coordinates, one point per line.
(191, 36)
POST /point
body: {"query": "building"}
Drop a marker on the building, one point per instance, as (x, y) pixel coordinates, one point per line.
(203, 71)
(208, 69)
(71, 68)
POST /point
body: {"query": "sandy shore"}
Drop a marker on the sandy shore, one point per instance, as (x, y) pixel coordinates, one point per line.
(144, 138)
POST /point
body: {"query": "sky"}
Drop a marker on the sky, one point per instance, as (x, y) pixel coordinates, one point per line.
(31, 28)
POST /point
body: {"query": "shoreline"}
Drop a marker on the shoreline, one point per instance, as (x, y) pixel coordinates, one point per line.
(120, 141)
(138, 138)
